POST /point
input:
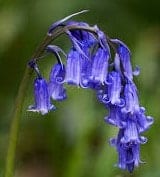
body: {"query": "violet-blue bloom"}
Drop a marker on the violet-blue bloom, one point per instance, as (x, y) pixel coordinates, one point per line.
(42, 98)
(131, 98)
(100, 60)
(131, 133)
(114, 88)
(143, 121)
(55, 85)
(128, 153)
(73, 67)
(115, 117)
(99, 68)
(82, 41)
(125, 55)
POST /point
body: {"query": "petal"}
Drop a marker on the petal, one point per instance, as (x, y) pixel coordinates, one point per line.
(136, 71)
(117, 63)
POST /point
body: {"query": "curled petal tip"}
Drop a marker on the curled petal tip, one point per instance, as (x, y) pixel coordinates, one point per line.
(136, 71)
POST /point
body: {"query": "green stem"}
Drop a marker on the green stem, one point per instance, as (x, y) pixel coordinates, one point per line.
(15, 124)
(16, 118)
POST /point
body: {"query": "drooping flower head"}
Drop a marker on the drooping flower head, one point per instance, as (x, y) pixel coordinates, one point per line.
(89, 64)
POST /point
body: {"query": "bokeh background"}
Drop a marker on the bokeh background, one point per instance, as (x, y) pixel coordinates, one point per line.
(73, 140)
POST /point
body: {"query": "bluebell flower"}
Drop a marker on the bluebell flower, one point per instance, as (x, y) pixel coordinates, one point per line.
(82, 42)
(127, 144)
(115, 116)
(110, 92)
(131, 133)
(73, 68)
(99, 68)
(100, 60)
(42, 98)
(114, 88)
(55, 85)
(78, 64)
(143, 121)
(124, 55)
(131, 98)
(94, 70)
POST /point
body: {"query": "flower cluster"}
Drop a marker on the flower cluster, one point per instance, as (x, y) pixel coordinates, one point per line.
(90, 65)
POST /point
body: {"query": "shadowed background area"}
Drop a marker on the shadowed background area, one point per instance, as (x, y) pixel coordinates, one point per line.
(73, 140)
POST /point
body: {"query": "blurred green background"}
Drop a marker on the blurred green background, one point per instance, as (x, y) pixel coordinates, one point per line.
(73, 140)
